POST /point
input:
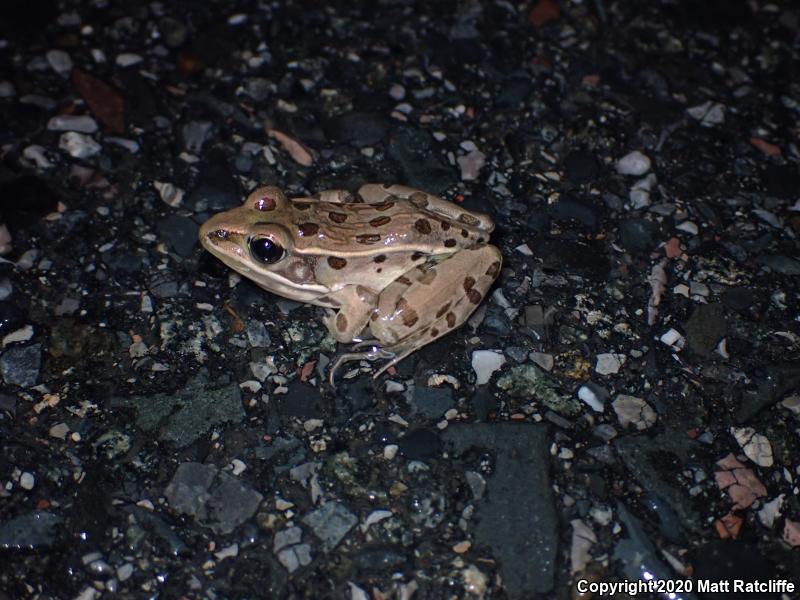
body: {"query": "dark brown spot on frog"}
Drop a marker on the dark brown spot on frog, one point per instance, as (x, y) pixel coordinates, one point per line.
(307, 229)
(381, 206)
(417, 255)
(373, 316)
(480, 240)
(423, 226)
(407, 314)
(380, 258)
(449, 243)
(427, 277)
(368, 238)
(380, 221)
(265, 203)
(464, 233)
(434, 332)
(302, 205)
(337, 262)
(445, 225)
(443, 310)
(341, 322)
(493, 269)
(474, 296)
(469, 283)
(378, 270)
(451, 319)
(386, 186)
(404, 280)
(337, 217)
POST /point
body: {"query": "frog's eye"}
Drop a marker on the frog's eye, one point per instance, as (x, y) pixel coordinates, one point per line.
(266, 250)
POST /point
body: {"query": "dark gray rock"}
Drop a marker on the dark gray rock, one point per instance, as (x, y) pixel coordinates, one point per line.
(581, 166)
(216, 499)
(637, 235)
(420, 444)
(432, 403)
(188, 414)
(163, 285)
(358, 128)
(179, 233)
(422, 165)
(517, 517)
(11, 318)
(655, 463)
(638, 555)
(780, 264)
(330, 523)
(19, 365)
(215, 189)
(195, 134)
(30, 531)
(705, 328)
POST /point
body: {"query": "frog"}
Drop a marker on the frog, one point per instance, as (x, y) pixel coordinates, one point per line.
(393, 267)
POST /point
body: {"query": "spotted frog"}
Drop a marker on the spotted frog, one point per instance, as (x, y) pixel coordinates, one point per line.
(394, 267)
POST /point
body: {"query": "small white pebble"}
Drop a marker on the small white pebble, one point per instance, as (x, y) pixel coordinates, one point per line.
(486, 362)
(609, 363)
(542, 359)
(673, 338)
(634, 163)
(227, 552)
(59, 431)
(81, 123)
(36, 153)
(126, 59)
(390, 451)
(397, 92)
(681, 290)
(60, 62)
(588, 396)
(394, 386)
(251, 386)
(23, 334)
(78, 145)
(688, 227)
(237, 466)
(755, 445)
(27, 481)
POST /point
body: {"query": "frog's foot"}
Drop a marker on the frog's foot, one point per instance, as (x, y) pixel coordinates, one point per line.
(376, 353)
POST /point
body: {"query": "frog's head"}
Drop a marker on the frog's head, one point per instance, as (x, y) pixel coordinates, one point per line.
(256, 240)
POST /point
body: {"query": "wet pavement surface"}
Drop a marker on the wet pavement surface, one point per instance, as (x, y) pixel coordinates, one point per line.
(625, 403)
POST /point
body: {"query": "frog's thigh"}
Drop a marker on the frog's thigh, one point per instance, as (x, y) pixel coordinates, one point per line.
(356, 304)
(377, 192)
(427, 303)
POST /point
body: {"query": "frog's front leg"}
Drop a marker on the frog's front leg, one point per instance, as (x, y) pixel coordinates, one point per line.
(355, 305)
(431, 300)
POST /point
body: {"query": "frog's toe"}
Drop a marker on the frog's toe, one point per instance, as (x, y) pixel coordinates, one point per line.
(376, 353)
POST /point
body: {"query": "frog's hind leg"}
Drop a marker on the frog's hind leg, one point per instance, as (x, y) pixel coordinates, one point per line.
(431, 301)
